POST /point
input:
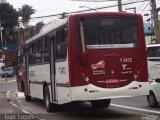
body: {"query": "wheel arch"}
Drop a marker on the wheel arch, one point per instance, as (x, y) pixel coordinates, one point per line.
(151, 92)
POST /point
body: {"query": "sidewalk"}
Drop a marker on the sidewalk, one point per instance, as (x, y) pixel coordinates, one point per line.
(12, 95)
(6, 107)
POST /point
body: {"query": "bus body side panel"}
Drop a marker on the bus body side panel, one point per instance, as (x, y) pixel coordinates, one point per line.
(62, 74)
(39, 74)
(62, 82)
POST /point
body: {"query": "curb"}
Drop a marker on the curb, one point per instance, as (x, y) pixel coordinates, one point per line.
(8, 80)
(11, 95)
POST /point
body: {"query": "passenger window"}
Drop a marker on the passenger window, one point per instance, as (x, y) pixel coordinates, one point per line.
(61, 43)
(45, 49)
(31, 53)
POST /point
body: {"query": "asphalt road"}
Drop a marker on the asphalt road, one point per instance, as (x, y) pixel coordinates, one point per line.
(135, 108)
(8, 84)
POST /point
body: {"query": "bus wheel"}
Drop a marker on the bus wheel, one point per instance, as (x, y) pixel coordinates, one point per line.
(101, 103)
(152, 100)
(48, 103)
(28, 98)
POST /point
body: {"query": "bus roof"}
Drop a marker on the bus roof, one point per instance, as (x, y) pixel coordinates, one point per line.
(52, 25)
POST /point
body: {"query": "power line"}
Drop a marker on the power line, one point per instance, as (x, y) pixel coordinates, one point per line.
(141, 6)
(145, 7)
(80, 11)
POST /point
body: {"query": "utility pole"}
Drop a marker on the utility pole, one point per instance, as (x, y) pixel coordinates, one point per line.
(120, 5)
(155, 20)
(1, 34)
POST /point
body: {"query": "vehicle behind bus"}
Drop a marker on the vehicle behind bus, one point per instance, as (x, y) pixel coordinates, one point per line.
(1, 66)
(153, 51)
(20, 71)
(88, 57)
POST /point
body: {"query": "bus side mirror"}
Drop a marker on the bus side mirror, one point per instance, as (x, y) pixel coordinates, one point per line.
(84, 58)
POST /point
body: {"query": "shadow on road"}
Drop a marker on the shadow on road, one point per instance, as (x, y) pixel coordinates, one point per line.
(84, 111)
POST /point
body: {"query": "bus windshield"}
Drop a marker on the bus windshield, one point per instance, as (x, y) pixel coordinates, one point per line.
(110, 32)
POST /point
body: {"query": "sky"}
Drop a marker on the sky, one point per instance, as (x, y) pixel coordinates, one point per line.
(51, 7)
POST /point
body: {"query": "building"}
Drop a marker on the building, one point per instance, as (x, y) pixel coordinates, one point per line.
(149, 33)
(148, 29)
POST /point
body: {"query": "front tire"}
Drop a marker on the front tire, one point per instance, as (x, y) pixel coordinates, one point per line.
(101, 103)
(152, 100)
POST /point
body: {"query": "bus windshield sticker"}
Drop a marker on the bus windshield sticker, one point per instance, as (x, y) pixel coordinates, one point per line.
(98, 68)
(110, 46)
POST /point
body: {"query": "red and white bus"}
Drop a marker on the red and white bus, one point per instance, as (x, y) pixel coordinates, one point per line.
(88, 57)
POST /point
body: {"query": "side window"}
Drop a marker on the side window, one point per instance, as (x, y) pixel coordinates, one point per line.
(31, 53)
(37, 52)
(45, 49)
(61, 43)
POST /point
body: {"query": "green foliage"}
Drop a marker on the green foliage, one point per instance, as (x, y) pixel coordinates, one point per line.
(25, 12)
(8, 16)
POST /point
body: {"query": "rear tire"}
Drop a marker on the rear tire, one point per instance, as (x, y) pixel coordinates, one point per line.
(48, 103)
(152, 100)
(101, 103)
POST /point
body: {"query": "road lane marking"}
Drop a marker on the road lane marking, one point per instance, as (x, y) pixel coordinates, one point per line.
(25, 111)
(8, 95)
(13, 104)
(22, 110)
(137, 109)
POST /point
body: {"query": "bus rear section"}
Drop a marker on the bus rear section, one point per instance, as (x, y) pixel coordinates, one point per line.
(108, 60)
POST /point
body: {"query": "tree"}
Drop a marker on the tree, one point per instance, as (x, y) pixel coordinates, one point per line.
(25, 12)
(8, 19)
(8, 16)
